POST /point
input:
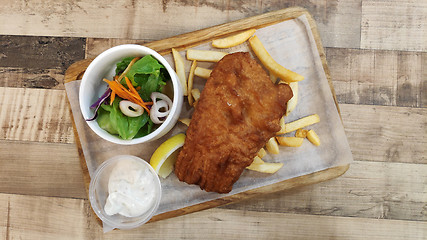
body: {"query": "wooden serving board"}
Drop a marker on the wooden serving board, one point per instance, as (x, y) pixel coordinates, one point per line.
(188, 40)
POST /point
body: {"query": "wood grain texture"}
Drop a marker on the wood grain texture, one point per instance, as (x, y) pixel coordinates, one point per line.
(47, 218)
(39, 53)
(342, 17)
(389, 134)
(32, 78)
(95, 46)
(331, 16)
(47, 221)
(188, 40)
(40, 115)
(160, 19)
(394, 25)
(378, 77)
(4, 216)
(368, 190)
(23, 61)
(26, 170)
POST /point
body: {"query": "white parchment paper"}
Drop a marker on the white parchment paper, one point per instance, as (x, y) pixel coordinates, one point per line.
(292, 45)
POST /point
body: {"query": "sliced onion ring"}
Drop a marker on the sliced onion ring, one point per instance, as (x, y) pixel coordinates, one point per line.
(162, 104)
(130, 109)
(165, 102)
(155, 95)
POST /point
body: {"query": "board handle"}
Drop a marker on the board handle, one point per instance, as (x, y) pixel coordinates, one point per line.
(76, 70)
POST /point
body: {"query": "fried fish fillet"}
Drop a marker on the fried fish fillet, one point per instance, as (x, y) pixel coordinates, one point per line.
(238, 111)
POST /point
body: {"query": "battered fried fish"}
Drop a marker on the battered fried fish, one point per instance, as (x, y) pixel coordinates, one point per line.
(238, 111)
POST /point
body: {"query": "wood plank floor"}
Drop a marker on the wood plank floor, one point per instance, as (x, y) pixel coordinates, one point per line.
(211, 224)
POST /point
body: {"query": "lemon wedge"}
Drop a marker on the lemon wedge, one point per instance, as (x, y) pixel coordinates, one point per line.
(163, 159)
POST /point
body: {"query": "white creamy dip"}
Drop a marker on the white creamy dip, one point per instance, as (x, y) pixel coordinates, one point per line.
(131, 189)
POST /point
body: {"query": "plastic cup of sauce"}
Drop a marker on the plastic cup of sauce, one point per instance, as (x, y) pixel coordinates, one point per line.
(124, 192)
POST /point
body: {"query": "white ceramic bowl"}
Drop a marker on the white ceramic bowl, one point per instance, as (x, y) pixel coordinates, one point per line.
(103, 66)
(98, 192)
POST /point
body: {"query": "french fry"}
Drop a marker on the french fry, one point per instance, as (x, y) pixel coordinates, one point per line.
(205, 55)
(202, 72)
(265, 167)
(257, 160)
(260, 166)
(282, 126)
(185, 121)
(234, 40)
(261, 153)
(268, 62)
(313, 137)
(190, 82)
(290, 141)
(196, 94)
(292, 103)
(302, 133)
(300, 123)
(273, 77)
(180, 70)
(272, 146)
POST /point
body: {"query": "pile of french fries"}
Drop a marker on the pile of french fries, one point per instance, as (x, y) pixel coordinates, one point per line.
(194, 55)
(276, 71)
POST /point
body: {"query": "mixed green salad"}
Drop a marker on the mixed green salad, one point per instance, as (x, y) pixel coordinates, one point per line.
(133, 105)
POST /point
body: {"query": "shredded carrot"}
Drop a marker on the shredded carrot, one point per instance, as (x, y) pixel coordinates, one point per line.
(131, 88)
(112, 96)
(124, 93)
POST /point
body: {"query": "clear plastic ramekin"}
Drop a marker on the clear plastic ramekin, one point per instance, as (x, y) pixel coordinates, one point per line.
(98, 193)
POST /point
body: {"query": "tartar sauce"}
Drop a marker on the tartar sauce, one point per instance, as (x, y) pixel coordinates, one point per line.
(131, 189)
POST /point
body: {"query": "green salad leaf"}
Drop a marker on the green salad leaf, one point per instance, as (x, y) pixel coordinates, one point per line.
(151, 83)
(146, 129)
(104, 122)
(111, 119)
(122, 65)
(145, 65)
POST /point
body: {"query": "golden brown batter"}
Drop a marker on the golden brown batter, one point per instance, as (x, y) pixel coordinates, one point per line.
(238, 111)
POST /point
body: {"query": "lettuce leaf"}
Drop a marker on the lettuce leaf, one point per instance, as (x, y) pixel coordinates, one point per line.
(104, 122)
(145, 65)
(146, 129)
(112, 120)
(149, 83)
(122, 65)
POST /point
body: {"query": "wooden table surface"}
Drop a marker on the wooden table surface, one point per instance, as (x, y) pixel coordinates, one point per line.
(377, 54)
